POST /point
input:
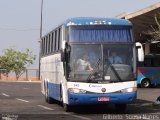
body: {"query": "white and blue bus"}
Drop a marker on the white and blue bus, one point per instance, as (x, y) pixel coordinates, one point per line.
(66, 77)
(148, 72)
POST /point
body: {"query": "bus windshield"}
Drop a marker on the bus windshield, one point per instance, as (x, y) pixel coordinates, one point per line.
(101, 62)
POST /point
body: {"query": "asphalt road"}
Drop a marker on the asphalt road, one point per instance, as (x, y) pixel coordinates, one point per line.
(23, 100)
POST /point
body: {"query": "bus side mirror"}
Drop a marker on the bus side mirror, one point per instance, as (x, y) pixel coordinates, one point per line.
(140, 52)
(65, 55)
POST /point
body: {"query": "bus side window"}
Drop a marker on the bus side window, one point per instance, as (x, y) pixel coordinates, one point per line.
(49, 43)
(60, 39)
(148, 62)
(55, 41)
(46, 44)
(42, 48)
(156, 62)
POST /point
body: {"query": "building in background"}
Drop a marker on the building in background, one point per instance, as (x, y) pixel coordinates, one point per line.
(142, 21)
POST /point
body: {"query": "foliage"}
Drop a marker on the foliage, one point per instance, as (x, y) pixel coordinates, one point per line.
(155, 32)
(6, 61)
(16, 61)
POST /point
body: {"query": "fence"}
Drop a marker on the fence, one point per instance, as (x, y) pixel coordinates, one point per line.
(28, 75)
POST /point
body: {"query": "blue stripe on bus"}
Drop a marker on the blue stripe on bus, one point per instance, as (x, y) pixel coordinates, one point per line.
(155, 82)
(54, 90)
(75, 99)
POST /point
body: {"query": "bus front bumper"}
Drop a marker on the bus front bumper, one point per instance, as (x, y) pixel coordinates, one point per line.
(115, 98)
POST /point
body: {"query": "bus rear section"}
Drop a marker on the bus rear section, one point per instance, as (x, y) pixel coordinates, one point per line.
(148, 72)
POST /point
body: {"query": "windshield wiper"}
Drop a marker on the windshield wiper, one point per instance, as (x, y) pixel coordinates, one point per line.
(114, 71)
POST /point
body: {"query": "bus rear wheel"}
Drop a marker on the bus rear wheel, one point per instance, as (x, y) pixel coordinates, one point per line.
(47, 98)
(145, 83)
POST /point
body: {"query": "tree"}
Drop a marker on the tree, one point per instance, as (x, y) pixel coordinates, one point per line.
(22, 60)
(6, 61)
(155, 32)
(16, 61)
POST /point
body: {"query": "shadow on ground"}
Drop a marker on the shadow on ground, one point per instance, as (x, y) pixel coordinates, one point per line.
(139, 107)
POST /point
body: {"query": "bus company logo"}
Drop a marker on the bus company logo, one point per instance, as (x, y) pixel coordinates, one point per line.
(103, 89)
(91, 85)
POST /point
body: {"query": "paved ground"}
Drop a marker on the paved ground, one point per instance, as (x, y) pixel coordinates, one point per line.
(23, 100)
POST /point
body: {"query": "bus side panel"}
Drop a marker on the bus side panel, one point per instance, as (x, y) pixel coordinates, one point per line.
(52, 74)
(151, 73)
(54, 90)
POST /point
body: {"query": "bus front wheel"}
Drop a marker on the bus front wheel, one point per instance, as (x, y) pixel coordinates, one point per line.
(66, 107)
(145, 83)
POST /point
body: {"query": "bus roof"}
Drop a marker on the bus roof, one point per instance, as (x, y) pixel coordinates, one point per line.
(96, 21)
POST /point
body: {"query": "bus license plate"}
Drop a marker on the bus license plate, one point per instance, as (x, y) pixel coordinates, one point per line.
(103, 99)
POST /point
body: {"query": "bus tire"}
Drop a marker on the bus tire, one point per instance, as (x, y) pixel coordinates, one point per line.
(66, 107)
(145, 83)
(47, 98)
(120, 107)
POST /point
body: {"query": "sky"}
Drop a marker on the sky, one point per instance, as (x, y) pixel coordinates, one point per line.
(20, 19)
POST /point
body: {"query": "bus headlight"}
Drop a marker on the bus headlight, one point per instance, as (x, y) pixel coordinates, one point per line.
(76, 90)
(134, 89)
